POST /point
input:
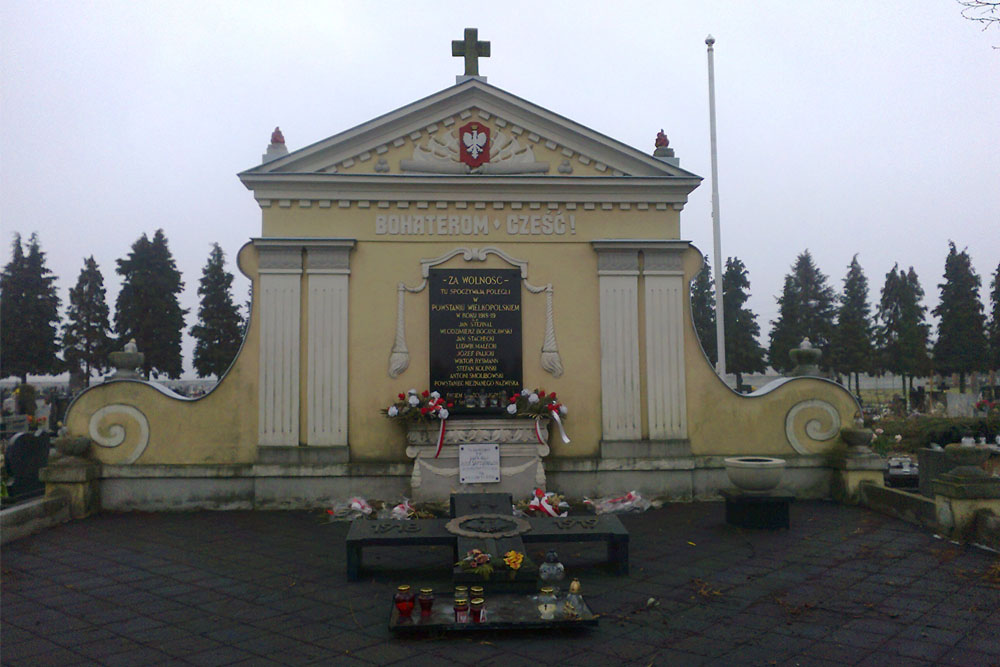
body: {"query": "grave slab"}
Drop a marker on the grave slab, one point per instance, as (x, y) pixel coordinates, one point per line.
(485, 521)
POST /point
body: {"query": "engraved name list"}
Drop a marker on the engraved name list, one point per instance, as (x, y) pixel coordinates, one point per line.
(475, 337)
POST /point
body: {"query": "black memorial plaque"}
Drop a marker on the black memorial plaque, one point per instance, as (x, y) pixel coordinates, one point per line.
(475, 337)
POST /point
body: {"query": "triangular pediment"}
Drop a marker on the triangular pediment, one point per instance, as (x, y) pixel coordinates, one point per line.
(423, 138)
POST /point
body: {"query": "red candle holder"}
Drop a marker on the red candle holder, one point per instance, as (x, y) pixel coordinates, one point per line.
(404, 601)
(426, 600)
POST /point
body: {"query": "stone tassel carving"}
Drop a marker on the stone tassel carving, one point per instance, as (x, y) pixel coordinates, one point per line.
(399, 359)
(551, 361)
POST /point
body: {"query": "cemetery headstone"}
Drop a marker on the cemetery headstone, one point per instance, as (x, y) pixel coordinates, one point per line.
(26, 455)
(961, 405)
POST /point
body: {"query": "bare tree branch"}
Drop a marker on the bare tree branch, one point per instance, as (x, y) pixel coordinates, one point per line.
(981, 11)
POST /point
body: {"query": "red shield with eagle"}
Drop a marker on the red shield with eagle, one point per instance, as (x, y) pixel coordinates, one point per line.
(474, 144)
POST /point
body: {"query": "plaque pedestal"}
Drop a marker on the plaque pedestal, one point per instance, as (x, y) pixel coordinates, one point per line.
(521, 470)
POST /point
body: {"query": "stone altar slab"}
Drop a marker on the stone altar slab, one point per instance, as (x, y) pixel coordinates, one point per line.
(521, 453)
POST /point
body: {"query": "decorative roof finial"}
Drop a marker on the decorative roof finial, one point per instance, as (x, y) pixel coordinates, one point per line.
(663, 149)
(276, 148)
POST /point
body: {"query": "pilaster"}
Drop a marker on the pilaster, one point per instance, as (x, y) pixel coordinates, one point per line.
(618, 280)
(327, 276)
(280, 267)
(666, 402)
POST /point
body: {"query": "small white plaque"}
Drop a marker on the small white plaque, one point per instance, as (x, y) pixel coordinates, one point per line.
(478, 464)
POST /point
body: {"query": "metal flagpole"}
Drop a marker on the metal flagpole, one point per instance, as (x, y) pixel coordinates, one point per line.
(720, 327)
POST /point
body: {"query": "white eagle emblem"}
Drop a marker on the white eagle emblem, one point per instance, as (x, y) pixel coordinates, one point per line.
(474, 142)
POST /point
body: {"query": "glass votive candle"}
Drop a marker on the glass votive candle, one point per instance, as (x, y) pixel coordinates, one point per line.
(477, 610)
(461, 610)
(404, 601)
(426, 600)
(547, 603)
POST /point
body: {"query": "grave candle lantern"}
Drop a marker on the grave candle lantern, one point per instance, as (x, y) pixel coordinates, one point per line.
(404, 601)
(426, 600)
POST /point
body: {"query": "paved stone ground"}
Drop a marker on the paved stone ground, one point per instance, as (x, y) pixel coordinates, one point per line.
(843, 586)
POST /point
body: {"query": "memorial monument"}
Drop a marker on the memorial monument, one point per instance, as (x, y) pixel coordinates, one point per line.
(476, 245)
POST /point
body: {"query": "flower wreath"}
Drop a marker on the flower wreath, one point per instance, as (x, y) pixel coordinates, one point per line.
(423, 407)
(536, 404)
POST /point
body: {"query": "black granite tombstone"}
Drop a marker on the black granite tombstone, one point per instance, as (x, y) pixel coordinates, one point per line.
(26, 454)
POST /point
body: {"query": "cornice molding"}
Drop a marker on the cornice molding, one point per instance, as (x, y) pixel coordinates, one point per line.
(327, 188)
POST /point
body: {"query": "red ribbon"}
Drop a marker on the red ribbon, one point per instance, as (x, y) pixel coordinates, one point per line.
(440, 439)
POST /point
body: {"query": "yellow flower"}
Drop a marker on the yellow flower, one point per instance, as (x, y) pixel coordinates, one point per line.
(513, 559)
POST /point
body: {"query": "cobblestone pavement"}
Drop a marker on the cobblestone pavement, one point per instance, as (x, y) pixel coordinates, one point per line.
(843, 586)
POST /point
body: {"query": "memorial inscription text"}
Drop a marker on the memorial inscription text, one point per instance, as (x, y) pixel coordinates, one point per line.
(475, 337)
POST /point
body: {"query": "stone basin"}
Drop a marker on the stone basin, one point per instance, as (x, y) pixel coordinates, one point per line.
(755, 474)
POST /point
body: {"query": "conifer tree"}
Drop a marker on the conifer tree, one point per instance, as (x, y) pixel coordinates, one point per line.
(901, 334)
(743, 351)
(703, 310)
(29, 314)
(219, 331)
(961, 342)
(994, 332)
(86, 336)
(147, 308)
(852, 337)
(805, 310)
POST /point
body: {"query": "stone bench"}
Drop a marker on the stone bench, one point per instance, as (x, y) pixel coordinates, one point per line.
(605, 528)
(392, 533)
(422, 532)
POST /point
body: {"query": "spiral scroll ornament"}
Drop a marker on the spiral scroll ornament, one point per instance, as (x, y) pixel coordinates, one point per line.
(117, 431)
(817, 428)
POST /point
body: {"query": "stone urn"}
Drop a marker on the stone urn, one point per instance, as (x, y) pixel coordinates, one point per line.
(755, 474)
(806, 359)
(126, 361)
(858, 440)
(72, 446)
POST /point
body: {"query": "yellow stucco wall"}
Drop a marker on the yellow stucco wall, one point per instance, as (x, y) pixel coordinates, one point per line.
(360, 223)
(222, 426)
(379, 262)
(218, 428)
(720, 421)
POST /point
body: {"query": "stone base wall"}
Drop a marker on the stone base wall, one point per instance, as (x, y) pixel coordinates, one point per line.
(304, 486)
(262, 486)
(677, 479)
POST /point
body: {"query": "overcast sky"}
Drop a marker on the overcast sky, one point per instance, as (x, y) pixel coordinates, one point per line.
(843, 127)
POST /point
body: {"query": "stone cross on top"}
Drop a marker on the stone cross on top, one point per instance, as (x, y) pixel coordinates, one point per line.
(471, 49)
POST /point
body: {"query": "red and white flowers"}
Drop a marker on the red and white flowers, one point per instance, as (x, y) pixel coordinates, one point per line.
(537, 404)
(418, 407)
(423, 407)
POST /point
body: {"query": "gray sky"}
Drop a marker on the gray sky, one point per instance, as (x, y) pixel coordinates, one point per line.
(844, 127)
